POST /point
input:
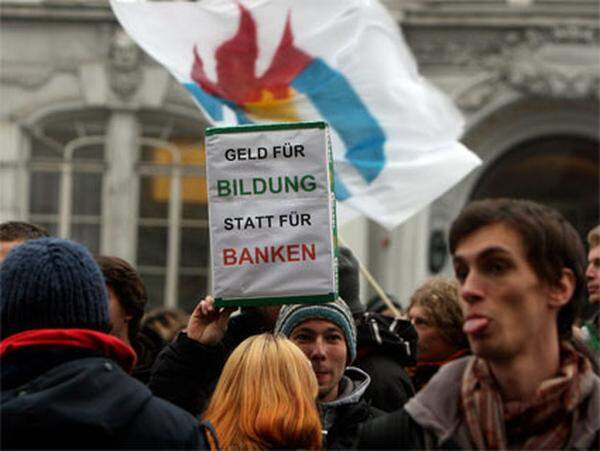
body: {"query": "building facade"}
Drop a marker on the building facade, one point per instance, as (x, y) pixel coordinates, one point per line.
(100, 144)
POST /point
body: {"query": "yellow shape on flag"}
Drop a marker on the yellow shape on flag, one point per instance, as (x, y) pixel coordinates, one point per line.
(270, 108)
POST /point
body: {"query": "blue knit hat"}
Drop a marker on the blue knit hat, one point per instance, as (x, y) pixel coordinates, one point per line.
(51, 283)
(337, 312)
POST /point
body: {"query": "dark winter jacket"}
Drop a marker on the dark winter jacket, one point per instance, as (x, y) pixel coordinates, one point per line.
(70, 396)
(432, 419)
(147, 347)
(187, 372)
(383, 354)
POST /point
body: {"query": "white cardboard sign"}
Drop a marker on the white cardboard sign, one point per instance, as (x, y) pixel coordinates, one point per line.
(271, 210)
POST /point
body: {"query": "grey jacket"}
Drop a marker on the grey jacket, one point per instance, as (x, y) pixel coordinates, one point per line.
(341, 418)
(436, 410)
(353, 385)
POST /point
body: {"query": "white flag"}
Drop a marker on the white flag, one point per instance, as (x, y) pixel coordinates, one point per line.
(394, 135)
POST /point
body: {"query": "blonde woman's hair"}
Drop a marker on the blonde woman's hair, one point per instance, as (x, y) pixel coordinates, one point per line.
(266, 397)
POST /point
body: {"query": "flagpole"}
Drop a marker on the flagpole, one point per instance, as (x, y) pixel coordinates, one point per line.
(375, 285)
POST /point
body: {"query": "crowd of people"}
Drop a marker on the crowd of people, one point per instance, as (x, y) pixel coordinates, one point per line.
(504, 355)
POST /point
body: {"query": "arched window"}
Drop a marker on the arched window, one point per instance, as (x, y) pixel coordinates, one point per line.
(173, 215)
(66, 169)
(561, 171)
(70, 192)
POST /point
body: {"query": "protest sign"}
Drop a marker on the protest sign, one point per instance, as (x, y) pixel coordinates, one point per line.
(271, 210)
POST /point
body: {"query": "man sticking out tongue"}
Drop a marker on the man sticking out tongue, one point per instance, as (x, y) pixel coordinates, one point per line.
(528, 384)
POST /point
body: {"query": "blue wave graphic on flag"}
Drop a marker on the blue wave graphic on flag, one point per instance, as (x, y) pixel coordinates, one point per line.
(338, 104)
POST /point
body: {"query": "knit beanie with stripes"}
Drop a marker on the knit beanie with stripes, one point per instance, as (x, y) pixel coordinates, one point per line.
(336, 312)
(51, 283)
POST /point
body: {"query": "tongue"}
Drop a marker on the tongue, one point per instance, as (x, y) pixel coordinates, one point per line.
(474, 325)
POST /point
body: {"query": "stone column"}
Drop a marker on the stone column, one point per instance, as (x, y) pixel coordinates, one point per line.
(120, 196)
(13, 174)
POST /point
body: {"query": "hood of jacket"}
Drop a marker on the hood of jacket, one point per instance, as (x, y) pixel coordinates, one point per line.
(53, 399)
(353, 385)
(47, 373)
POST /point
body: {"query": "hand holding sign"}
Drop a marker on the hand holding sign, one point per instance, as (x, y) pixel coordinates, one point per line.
(208, 324)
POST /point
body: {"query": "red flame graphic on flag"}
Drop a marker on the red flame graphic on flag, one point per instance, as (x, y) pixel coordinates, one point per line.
(236, 61)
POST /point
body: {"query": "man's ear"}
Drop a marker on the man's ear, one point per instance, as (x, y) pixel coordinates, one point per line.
(561, 293)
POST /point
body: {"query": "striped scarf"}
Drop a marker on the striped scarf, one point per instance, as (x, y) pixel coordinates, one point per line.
(543, 423)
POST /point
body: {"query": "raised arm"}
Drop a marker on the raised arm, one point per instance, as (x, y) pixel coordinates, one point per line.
(186, 371)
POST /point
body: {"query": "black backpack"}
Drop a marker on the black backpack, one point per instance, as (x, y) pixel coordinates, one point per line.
(380, 330)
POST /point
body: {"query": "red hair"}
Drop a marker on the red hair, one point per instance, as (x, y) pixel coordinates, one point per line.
(266, 397)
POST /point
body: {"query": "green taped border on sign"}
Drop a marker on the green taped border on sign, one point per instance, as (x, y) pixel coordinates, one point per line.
(264, 127)
(256, 302)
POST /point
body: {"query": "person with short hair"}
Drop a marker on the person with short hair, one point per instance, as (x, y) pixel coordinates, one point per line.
(434, 310)
(65, 381)
(127, 297)
(528, 385)
(266, 398)
(127, 301)
(327, 335)
(13, 233)
(591, 317)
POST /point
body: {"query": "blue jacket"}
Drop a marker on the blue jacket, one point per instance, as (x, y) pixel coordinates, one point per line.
(72, 397)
